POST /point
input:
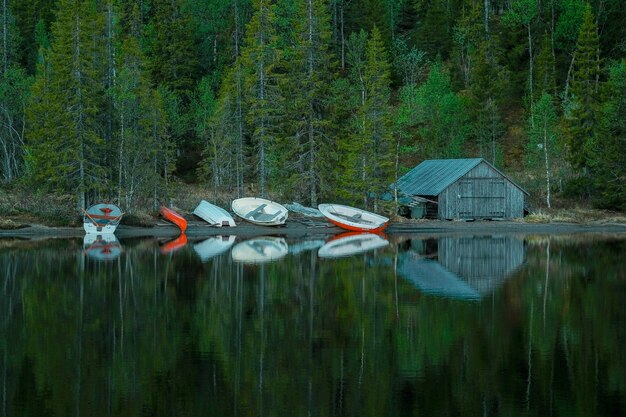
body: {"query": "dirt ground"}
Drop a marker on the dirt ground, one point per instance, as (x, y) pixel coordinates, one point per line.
(300, 226)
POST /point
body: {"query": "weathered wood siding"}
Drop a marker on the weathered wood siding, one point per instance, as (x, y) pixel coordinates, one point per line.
(484, 262)
(482, 193)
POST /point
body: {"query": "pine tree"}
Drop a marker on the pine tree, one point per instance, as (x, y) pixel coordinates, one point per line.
(66, 146)
(367, 154)
(608, 159)
(173, 57)
(442, 116)
(135, 145)
(582, 117)
(260, 60)
(545, 81)
(524, 13)
(435, 28)
(487, 91)
(31, 16)
(306, 147)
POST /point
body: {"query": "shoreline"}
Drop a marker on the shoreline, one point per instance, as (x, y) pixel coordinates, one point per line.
(303, 227)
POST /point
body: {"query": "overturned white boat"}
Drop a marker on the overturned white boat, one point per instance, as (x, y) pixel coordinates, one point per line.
(102, 218)
(214, 215)
(351, 243)
(260, 211)
(213, 246)
(260, 250)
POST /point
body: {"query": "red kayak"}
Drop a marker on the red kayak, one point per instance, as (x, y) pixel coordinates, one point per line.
(174, 217)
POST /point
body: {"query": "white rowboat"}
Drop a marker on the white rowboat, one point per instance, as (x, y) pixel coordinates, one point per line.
(260, 211)
(214, 215)
(352, 218)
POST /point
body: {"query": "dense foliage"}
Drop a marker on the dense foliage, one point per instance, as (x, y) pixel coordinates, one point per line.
(309, 100)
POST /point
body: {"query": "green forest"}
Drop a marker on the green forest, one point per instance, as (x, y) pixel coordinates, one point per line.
(309, 100)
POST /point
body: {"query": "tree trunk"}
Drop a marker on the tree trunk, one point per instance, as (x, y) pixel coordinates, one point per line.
(120, 156)
(569, 75)
(311, 116)
(545, 152)
(395, 179)
(486, 7)
(343, 37)
(5, 34)
(239, 107)
(530, 77)
(79, 119)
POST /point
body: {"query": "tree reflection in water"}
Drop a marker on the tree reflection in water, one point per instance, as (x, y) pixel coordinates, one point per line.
(195, 333)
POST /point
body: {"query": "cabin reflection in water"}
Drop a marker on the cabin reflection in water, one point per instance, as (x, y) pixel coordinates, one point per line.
(462, 267)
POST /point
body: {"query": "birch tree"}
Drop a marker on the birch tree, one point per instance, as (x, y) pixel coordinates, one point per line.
(14, 88)
(543, 145)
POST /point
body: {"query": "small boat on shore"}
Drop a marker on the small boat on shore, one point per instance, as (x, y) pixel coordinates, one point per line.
(102, 218)
(260, 211)
(260, 250)
(351, 243)
(174, 217)
(351, 218)
(214, 215)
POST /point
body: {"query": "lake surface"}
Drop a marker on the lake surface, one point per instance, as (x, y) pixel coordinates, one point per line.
(499, 325)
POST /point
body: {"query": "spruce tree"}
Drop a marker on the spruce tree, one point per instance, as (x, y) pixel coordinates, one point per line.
(545, 81)
(306, 146)
(135, 145)
(367, 154)
(260, 58)
(608, 159)
(584, 101)
(442, 116)
(173, 56)
(66, 148)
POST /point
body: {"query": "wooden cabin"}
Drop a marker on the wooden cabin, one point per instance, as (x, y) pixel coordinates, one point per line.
(455, 189)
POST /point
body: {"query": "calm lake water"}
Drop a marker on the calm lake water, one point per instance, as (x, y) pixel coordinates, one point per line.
(500, 325)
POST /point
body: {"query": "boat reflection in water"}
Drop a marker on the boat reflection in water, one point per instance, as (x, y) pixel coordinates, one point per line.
(468, 267)
(351, 243)
(174, 245)
(260, 250)
(213, 246)
(305, 246)
(103, 247)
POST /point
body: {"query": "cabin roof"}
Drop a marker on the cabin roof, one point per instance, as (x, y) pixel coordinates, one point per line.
(433, 176)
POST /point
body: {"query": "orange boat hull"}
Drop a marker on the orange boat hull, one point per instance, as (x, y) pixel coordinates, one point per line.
(174, 217)
(356, 228)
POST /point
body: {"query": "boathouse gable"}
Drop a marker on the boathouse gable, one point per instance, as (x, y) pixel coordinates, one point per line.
(464, 189)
